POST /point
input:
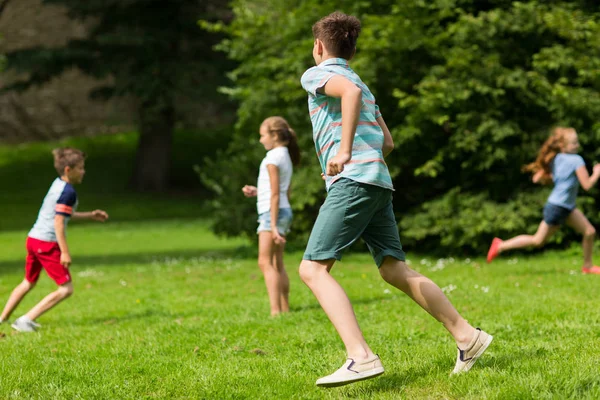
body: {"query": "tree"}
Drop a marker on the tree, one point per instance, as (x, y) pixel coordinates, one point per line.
(469, 89)
(152, 51)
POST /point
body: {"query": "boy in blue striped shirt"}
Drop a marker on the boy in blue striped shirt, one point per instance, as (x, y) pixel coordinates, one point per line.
(351, 140)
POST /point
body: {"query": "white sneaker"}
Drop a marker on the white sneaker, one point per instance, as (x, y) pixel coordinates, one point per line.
(23, 324)
(352, 371)
(466, 358)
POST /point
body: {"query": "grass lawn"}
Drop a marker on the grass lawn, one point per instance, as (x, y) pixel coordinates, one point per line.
(163, 309)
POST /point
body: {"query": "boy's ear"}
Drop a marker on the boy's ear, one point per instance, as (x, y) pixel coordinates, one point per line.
(320, 47)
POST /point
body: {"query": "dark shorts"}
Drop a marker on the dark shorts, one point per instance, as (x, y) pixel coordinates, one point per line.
(46, 255)
(353, 210)
(556, 215)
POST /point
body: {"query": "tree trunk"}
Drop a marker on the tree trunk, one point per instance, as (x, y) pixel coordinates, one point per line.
(153, 158)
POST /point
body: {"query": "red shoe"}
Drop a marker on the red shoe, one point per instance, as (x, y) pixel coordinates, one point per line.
(494, 250)
(595, 270)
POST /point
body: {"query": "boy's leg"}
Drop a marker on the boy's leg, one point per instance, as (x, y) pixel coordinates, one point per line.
(65, 290)
(33, 267)
(429, 296)
(383, 239)
(341, 220)
(48, 255)
(15, 298)
(269, 270)
(361, 362)
(335, 303)
(582, 225)
(284, 280)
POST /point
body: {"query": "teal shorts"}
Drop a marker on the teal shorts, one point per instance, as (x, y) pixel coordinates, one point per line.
(353, 210)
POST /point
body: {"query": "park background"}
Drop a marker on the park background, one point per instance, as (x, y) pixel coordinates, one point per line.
(166, 97)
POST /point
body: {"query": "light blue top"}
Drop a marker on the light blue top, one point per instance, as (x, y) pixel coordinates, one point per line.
(61, 199)
(367, 164)
(565, 179)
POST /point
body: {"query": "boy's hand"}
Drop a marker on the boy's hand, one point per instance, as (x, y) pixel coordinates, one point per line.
(250, 191)
(99, 215)
(596, 169)
(335, 165)
(65, 259)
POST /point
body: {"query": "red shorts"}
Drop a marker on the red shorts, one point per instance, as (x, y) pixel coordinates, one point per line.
(45, 255)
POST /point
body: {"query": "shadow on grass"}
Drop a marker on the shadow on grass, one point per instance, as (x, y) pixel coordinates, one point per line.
(391, 381)
(115, 320)
(317, 306)
(10, 266)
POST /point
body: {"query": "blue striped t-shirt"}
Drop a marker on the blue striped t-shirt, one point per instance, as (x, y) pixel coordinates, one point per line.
(367, 164)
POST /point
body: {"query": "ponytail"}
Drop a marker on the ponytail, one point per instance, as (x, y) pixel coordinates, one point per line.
(293, 147)
(285, 134)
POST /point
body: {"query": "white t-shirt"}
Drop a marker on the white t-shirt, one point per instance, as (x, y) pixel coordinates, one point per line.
(280, 157)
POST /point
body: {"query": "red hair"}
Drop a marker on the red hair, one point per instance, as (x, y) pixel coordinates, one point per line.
(551, 147)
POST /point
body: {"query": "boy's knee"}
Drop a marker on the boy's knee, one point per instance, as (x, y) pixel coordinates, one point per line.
(309, 270)
(65, 290)
(306, 271)
(28, 285)
(392, 269)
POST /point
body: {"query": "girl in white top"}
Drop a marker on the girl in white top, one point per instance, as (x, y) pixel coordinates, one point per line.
(273, 206)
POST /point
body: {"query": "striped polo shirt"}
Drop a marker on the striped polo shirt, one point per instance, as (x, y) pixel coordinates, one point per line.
(61, 199)
(367, 164)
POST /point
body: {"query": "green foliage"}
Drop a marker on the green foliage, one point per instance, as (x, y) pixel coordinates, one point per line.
(153, 52)
(468, 88)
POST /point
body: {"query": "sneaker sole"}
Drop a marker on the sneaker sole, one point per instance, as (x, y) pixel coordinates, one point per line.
(16, 328)
(471, 362)
(355, 378)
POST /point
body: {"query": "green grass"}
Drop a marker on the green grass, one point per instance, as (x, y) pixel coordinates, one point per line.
(163, 309)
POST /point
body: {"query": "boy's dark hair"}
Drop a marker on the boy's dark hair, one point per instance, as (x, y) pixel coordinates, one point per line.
(67, 157)
(339, 33)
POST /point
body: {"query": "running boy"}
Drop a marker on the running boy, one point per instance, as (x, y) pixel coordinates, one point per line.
(351, 140)
(47, 242)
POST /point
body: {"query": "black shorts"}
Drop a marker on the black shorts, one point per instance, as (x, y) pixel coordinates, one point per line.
(556, 215)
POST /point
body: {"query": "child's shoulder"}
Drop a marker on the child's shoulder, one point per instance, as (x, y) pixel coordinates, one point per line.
(568, 158)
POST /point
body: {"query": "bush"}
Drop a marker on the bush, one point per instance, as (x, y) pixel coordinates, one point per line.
(468, 88)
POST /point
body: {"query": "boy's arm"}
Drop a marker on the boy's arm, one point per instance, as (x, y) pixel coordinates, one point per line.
(388, 141)
(59, 229)
(351, 96)
(96, 215)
